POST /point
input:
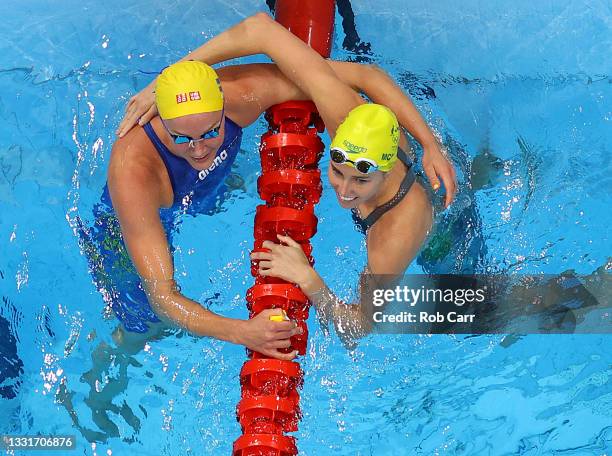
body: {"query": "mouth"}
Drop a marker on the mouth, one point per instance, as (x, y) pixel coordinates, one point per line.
(201, 158)
(347, 199)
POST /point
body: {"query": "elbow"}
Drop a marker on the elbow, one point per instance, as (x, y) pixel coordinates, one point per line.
(375, 71)
(259, 18)
(257, 23)
(162, 305)
(374, 68)
(163, 301)
(255, 30)
(377, 74)
(368, 78)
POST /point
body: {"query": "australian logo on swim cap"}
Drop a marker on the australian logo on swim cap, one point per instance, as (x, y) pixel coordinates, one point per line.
(395, 134)
(184, 97)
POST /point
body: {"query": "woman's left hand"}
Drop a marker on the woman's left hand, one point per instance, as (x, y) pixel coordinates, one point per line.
(141, 108)
(286, 261)
(436, 167)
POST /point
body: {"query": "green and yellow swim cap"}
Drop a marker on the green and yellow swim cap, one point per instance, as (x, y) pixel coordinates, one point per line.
(369, 131)
(188, 87)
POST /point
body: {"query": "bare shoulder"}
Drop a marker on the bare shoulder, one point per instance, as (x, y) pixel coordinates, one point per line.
(397, 237)
(135, 170)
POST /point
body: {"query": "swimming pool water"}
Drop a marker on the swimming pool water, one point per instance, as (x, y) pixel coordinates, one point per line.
(521, 96)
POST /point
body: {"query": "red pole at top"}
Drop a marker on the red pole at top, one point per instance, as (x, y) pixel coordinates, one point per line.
(310, 20)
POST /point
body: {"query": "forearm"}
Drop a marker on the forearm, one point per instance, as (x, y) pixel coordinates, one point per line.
(243, 39)
(237, 41)
(174, 308)
(349, 319)
(382, 89)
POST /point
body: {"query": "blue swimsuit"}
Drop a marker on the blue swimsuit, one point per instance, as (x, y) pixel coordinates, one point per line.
(195, 192)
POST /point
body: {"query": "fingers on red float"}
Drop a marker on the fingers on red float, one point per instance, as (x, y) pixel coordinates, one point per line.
(284, 343)
(285, 335)
(269, 245)
(284, 325)
(263, 256)
(288, 240)
(261, 270)
(280, 355)
(282, 333)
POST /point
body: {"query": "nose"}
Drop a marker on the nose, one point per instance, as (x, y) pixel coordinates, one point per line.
(344, 187)
(199, 147)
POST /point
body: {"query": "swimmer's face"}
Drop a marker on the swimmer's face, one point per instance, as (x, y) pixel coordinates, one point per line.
(203, 152)
(353, 187)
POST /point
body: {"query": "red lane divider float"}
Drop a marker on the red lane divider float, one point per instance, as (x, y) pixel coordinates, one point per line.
(290, 185)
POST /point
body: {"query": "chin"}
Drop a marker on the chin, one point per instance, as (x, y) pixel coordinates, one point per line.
(202, 164)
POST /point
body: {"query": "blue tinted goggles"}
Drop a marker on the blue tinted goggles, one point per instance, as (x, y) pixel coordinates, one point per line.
(184, 139)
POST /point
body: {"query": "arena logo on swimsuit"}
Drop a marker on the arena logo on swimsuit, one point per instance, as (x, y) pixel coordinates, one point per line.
(219, 159)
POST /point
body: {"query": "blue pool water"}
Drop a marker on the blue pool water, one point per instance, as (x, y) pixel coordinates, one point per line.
(526, 83)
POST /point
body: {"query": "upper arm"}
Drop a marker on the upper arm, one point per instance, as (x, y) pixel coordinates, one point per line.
(398, 236)
(251, 89)
(135, 195)
(355, 75)
(308, 71)
(390, 256)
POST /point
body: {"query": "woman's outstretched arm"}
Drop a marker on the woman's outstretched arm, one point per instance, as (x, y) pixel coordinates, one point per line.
(301, 65)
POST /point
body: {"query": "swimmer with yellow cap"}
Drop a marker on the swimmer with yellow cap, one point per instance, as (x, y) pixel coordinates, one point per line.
(188, 87)
(367, 139)
(190, 104)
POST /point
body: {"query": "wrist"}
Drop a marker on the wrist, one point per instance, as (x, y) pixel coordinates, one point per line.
(311, 282)
(236, 329)
(429, 142)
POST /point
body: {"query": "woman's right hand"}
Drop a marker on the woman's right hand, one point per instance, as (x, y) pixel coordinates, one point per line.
(266, 336)
(140, 109)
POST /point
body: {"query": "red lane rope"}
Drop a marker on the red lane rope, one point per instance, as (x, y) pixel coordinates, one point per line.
(290, 185)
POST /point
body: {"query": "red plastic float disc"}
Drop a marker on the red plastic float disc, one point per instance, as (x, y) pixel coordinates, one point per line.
(295, 117)
(300, 225)
(264, 445)
(289, 150)
(305, 186)
(261, 377)
(268, 415)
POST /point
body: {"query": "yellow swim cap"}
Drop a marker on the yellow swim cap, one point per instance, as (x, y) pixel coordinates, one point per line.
(369, 131)
(188, 87)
